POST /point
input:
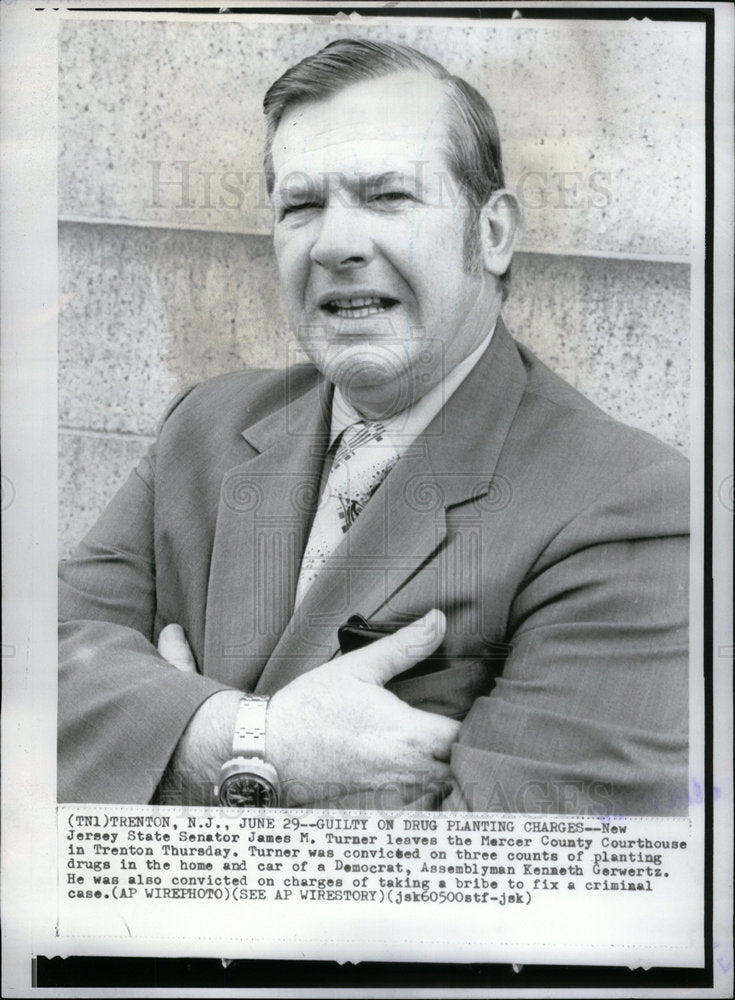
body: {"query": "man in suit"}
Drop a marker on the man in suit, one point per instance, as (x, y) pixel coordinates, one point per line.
(527, 552)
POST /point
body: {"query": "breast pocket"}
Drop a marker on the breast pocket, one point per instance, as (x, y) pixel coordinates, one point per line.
(450, 691)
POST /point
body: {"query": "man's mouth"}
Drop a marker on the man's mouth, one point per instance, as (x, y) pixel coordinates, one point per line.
(359, 306)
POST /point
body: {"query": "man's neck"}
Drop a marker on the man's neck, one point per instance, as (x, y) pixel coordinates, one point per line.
(407, 424)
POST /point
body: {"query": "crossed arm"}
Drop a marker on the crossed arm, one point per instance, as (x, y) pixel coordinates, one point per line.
(566, 730)
(595, 690)
(332, 733)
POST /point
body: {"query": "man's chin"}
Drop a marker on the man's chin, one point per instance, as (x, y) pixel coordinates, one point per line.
(379, 378)
(376, 382)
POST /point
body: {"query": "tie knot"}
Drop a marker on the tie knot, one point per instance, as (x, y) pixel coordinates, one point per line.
(363, 459)
(358, 436)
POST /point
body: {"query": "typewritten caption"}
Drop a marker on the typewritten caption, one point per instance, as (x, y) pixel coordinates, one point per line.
(145, 867)
(367, 859)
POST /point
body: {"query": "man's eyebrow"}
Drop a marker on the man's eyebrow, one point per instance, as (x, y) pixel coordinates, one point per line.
(390, 177)
(296, 186)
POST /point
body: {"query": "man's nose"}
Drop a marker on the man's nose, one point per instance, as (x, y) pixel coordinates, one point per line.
(343, 241)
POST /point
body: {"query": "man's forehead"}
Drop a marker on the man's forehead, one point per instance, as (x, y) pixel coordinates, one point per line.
(373, 126)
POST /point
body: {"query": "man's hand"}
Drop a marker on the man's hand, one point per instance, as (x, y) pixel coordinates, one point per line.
(335, 731)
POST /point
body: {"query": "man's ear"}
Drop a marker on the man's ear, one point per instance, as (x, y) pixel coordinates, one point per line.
(500, 219)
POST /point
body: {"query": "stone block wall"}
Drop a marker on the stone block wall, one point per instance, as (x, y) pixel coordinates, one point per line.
(167, 274)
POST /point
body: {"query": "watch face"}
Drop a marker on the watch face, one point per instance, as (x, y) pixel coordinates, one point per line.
(244, 790)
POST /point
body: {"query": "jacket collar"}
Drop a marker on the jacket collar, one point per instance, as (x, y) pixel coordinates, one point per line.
(302, 411)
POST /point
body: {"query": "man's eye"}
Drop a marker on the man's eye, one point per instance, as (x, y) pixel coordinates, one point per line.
(391, 197)
(297, 207)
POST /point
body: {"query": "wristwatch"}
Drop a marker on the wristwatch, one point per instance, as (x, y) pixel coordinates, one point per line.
(247, 779)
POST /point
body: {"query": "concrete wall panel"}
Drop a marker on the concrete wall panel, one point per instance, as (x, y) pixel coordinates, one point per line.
(617, 330)
(147, 312)
(586, 111)
(92, 467)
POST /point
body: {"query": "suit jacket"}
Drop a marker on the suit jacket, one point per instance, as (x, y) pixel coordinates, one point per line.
(553, 538)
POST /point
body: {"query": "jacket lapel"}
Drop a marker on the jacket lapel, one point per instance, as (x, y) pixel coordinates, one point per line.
(405, 523)
(265, 510)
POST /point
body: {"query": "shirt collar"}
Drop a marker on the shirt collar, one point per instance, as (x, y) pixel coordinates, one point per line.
(404, 427)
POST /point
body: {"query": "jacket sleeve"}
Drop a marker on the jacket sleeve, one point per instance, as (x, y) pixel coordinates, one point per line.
(121, 707)
(591, 711)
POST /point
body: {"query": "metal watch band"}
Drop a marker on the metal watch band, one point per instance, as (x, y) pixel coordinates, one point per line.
(249, 736)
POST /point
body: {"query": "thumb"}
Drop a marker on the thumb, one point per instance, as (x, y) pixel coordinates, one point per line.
(382, 660)
(172, 646)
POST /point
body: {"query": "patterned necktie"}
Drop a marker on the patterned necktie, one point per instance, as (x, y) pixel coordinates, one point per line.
(363, 459)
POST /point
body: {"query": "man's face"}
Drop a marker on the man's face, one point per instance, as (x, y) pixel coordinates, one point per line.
(369, 238)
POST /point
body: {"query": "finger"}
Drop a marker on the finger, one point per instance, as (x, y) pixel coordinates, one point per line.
(403, 785)
(413, 784)
(435, 772)
(441, 735)
(172, 646)
(395, 653)
(431, 734)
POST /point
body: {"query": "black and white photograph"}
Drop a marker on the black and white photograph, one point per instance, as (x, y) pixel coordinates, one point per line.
(380, 380)
(546, 543)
